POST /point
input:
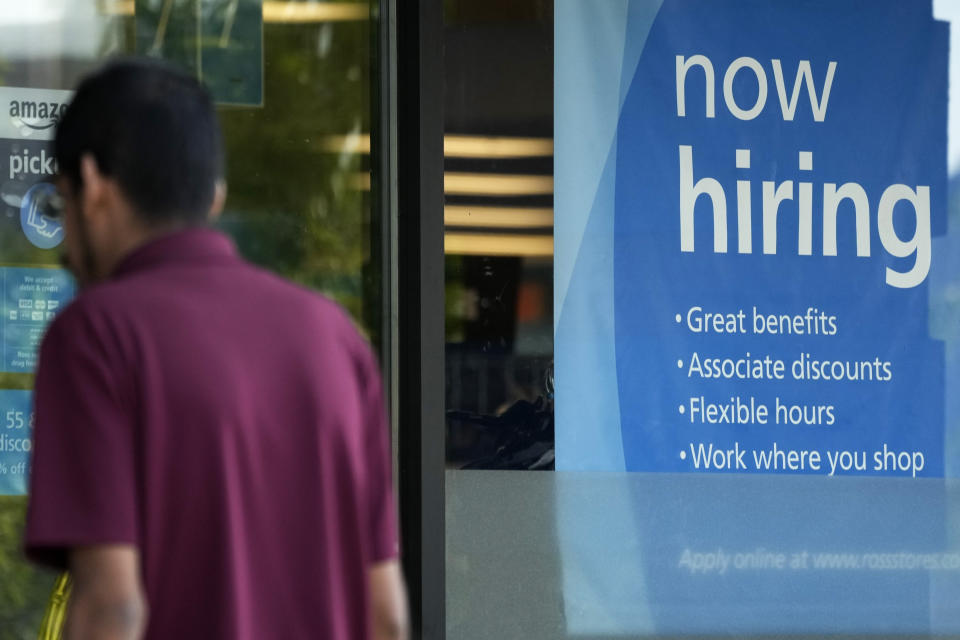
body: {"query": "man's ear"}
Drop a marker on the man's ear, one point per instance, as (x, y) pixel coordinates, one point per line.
(93, 181)
(219, 199)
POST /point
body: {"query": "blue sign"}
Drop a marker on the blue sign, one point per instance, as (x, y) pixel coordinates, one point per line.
(31, 299)
(749, 289)
(16, 431)
(755, 286)
(43, 232)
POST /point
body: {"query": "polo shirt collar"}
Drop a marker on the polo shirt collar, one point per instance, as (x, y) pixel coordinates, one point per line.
(193, 245)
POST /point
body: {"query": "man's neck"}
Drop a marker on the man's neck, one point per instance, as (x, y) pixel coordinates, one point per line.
(131, 239)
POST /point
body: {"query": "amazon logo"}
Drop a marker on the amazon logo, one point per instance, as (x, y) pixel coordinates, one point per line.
(37, 115)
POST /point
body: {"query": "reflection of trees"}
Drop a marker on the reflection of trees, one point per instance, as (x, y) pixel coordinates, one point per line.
(23, 589)
(291, 208)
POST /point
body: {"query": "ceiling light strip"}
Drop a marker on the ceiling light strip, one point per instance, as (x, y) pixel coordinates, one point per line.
(454, 146)
(352, 143)
(496, 184)
(479, 184)
(116, 7)
(301, 12)
(497, 217)
(273, 11)
(497, 244)
(458, 146)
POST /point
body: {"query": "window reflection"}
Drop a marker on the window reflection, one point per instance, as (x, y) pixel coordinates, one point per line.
(293, 206)
(498, 219)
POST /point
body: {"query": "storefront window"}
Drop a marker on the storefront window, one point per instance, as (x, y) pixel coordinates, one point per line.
(701, 332)
(293, 86)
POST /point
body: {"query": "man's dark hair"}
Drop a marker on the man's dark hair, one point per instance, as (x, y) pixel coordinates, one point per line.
(153, 130)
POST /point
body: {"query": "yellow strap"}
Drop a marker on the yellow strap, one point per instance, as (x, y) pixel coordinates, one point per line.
(52, 626)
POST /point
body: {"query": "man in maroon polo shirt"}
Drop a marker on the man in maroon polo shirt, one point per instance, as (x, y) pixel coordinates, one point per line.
(211, 454)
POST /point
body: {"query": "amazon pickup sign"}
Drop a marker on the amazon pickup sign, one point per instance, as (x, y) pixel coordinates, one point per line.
(32, 290)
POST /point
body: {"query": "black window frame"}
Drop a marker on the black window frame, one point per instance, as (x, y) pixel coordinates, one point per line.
(409, 155)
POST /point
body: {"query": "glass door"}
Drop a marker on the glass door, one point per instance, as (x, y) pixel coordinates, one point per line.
(293, 82)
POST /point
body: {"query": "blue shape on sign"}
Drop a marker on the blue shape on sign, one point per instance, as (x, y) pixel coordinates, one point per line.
(32, 297)
(16, 432)
(41, 230)
(825, 278)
